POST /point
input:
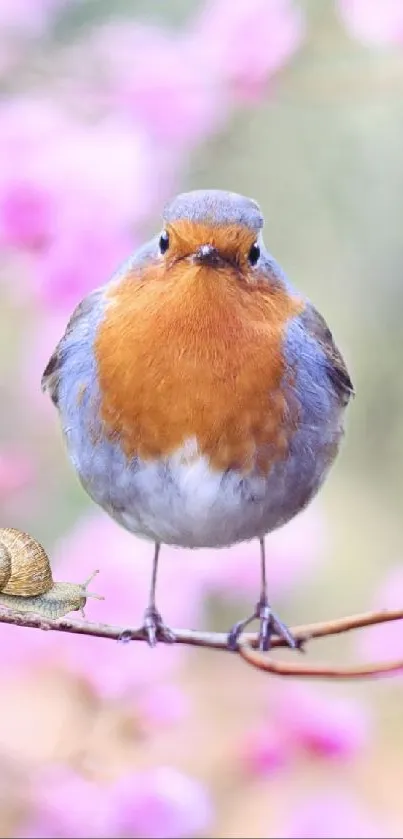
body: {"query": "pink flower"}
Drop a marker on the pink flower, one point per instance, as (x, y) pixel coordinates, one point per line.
(333, 815)
(30, 16)
(83, 257)
(106, 165)
(162, 803)
(29, 128)
(27, 214)
(321, 725)
(265, 750)
(117, 668)
(385, 641)
(247, 42)
(72, 193)
(16, 472)
(162, 705)
(18, 492)
(301, 719)
(69, 807)
(22, 649)
(377, 22)
(143, 71)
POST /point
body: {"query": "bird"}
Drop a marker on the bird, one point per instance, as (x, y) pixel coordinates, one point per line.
(201, 397)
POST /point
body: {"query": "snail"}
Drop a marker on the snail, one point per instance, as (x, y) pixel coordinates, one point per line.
(26, 582)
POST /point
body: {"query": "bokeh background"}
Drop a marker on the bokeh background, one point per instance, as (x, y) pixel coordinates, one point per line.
(106, 110)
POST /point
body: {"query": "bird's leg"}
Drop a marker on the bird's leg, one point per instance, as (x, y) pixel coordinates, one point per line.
(154, 627)
(269, 622)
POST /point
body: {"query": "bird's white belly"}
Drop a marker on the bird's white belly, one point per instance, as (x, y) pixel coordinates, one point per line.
(183, 501)
(192, 505)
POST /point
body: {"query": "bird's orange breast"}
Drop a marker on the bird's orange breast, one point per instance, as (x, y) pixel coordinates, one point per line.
(187, 354)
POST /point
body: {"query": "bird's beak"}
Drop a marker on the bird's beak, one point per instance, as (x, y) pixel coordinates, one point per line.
(208, 255)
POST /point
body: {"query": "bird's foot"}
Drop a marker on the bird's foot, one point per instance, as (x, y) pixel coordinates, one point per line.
(269, 625)
(155, 629)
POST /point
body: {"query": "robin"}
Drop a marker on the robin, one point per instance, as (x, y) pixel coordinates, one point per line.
(200, 395)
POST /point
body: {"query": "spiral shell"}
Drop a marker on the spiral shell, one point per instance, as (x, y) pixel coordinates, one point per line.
(5, 565)
(30, 568)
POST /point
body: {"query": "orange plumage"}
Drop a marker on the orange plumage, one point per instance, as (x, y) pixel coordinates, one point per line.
(174, 331)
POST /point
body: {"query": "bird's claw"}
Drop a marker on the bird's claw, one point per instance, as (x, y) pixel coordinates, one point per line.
(155, 629)
(269, 625)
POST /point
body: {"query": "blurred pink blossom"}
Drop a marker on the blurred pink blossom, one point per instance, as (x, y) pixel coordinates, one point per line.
(143, 67)
(377, 22)
(322, 725)
(302, 719)
(83, 257)
(22, 648)
(18, 491)
(73, 194)
(162, 705)
(158, 78)
(245, 43)
(29, 127)
(105, 165)
(266, 749)
(27, 15)
(333, 815)
(292, 553)
(161, 803)
(69, 806)
(385, 641)
(27, 214)
(16, 472)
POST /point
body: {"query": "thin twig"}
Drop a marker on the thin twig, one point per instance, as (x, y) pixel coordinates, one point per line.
(317, 671)
(322, 629)
(218, 641)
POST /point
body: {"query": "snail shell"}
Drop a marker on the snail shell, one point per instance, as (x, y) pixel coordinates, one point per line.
(5, 565)
(29, 564)
(26, 583)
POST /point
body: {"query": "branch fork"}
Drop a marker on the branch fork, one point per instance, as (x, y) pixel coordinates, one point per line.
(245, 646)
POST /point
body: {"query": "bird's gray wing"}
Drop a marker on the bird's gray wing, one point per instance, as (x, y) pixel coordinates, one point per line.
(51, 375)
(335, 365)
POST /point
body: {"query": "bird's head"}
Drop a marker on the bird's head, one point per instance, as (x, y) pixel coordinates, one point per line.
(213, 229)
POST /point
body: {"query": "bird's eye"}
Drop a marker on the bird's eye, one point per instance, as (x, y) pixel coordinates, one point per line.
(254, 253)
(164, 241)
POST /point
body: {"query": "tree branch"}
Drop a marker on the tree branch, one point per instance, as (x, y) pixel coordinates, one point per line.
(317, 671)
(246, 648)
